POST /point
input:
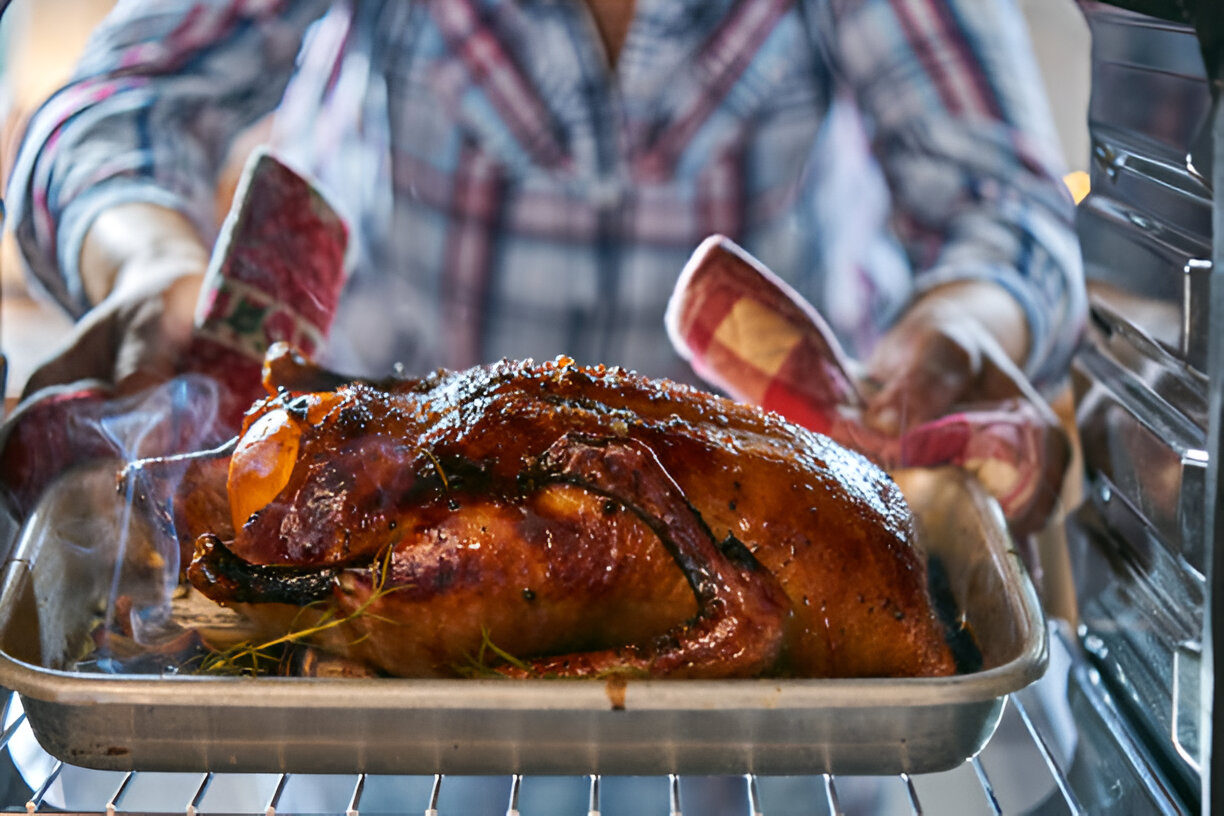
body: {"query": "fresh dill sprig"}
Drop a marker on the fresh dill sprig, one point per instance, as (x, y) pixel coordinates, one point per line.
(437, 467)
(478, 665)
(248, 658)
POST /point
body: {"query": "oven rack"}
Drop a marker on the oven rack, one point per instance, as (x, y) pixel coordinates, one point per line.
(1037, 762)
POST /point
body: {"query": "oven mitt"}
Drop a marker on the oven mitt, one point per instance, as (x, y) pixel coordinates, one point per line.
(276, 274)
(278, 279)
(748, 333)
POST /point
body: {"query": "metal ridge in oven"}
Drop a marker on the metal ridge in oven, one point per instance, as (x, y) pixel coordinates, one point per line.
(323, 725)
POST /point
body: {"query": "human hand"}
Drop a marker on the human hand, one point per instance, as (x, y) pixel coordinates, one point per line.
(957, 346)
(144, 267)
(942, 359)
(134, 338)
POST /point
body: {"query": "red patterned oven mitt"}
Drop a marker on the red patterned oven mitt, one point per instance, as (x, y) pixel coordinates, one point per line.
(279, 278)
(748, 333)
(276, 274)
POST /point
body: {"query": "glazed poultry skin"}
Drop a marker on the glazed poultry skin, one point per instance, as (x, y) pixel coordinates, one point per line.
(584, 520)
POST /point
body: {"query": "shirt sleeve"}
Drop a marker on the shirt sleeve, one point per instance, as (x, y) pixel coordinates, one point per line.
(958, 121)
(161, 91)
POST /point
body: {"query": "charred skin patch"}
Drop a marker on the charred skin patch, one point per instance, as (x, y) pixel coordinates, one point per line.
(226, 578)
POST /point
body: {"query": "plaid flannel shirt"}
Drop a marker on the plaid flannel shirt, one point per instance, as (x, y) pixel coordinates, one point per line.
(512, 195)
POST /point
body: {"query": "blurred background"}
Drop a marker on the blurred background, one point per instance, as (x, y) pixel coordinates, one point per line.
(40, 41)
(39, 44)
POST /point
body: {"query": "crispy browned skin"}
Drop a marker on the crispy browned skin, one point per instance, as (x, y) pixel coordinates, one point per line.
(586, 520)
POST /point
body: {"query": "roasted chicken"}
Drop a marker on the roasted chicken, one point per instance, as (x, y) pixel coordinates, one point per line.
(557, 520)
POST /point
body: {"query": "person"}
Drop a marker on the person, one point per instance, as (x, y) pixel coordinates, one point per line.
(526, 178)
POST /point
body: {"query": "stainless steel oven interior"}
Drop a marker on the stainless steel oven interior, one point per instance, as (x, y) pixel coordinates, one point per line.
(1122, 721)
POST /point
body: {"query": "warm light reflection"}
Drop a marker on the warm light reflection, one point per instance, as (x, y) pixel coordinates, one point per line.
(1079, 184)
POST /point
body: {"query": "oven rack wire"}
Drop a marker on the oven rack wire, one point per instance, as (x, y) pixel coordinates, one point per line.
(1027, 767)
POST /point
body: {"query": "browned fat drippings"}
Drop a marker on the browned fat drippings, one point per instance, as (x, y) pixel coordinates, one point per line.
(616, 687)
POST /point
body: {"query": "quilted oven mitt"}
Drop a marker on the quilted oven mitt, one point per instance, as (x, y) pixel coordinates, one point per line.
(276, 274)
(748, 333)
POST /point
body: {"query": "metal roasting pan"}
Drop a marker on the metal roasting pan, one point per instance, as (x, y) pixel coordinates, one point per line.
(62, 567)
